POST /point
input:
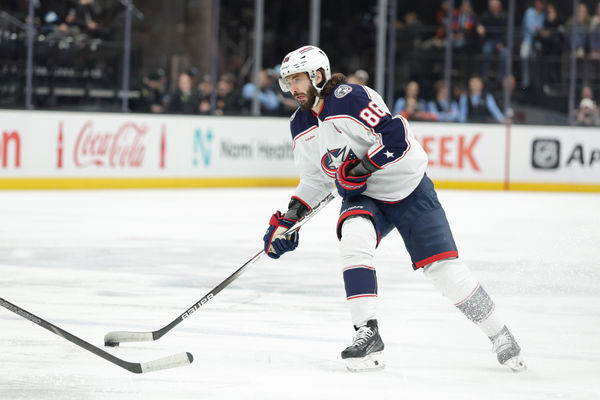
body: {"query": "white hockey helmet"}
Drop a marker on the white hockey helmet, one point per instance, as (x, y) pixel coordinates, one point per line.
(307, 59)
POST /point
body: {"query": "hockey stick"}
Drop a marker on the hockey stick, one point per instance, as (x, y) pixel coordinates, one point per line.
(116, 337)
(173, 361)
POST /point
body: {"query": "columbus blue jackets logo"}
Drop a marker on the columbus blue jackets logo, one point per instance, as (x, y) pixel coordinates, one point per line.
(333, 158)
(342, 90)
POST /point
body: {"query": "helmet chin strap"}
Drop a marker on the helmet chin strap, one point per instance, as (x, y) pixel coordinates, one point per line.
(317, 98)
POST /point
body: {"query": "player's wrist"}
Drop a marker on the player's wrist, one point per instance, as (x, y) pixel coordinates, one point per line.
(366, 167)
(296, 210)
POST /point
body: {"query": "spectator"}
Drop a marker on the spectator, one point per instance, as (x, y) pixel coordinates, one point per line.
(515, 113)
(551, 38)
(81, 16)
(440, 108)
(269, 103)
(441, 18)
(152, 93)
(581, 31)
(228, 99)
(52, 16)
(205, 89)
(411, 91)
(359, 77)
(409, 32)
(185, 99)
(492, 30)
(477, 105)
(595, 34)
(588, 113)
(411, 111)
(463, 27)
(533, 20)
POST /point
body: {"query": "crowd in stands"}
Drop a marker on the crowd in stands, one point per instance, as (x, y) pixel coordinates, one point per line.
(78, 19)
(479, 40)
(193, 95)
(478, 30)
(76, 48)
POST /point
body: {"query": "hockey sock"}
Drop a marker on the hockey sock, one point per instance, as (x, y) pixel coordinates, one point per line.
(455, 281)
(357, 248)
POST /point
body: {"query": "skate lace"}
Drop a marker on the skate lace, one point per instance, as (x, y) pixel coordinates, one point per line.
(502, 342)
(362, 336)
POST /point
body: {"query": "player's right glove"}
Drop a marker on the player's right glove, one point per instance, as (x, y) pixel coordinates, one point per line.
(350, 186)
(276, 243)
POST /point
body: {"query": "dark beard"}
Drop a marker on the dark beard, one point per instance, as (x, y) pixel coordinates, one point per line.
(311, 95)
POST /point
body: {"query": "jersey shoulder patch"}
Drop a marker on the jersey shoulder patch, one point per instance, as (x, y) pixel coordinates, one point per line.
(342, 90)
(347, 99)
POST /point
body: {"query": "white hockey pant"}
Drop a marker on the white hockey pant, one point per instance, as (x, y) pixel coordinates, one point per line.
(357, 249)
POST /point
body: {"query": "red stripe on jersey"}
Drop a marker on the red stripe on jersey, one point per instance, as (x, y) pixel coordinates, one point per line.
(320, 109)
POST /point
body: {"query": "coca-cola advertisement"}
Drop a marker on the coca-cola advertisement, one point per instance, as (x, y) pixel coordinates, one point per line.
(122, 146)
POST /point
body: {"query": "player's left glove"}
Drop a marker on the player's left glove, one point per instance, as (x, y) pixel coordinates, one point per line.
(350, 186)
(276, 243)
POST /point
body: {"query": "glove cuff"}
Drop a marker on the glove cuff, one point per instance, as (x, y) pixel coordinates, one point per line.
(279, 220)
(354, 165)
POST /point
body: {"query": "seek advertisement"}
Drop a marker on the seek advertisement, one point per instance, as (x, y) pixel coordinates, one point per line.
(463, 152)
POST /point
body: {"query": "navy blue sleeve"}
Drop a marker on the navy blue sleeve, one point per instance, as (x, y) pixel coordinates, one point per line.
(302, 122)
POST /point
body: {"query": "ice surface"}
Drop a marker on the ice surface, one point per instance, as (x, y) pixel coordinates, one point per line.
(97, 261)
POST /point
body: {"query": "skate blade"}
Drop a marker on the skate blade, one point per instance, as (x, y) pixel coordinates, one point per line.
(516, 364)
(371, 362)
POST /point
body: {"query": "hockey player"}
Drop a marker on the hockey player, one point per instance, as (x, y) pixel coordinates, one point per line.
(343, 135)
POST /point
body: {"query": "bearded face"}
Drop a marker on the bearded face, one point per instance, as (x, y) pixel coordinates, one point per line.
(307, 100)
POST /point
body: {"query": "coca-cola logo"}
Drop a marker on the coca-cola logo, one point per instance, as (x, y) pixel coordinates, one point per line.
(123, 148)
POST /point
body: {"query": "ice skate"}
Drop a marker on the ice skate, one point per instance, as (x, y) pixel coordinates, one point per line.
(507, 350)
(365, 353)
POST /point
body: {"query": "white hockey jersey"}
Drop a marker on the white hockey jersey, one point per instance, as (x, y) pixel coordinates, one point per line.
(354, 122)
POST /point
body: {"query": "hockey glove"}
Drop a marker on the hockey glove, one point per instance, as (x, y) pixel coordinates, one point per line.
(350, 186)
(276, 243)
